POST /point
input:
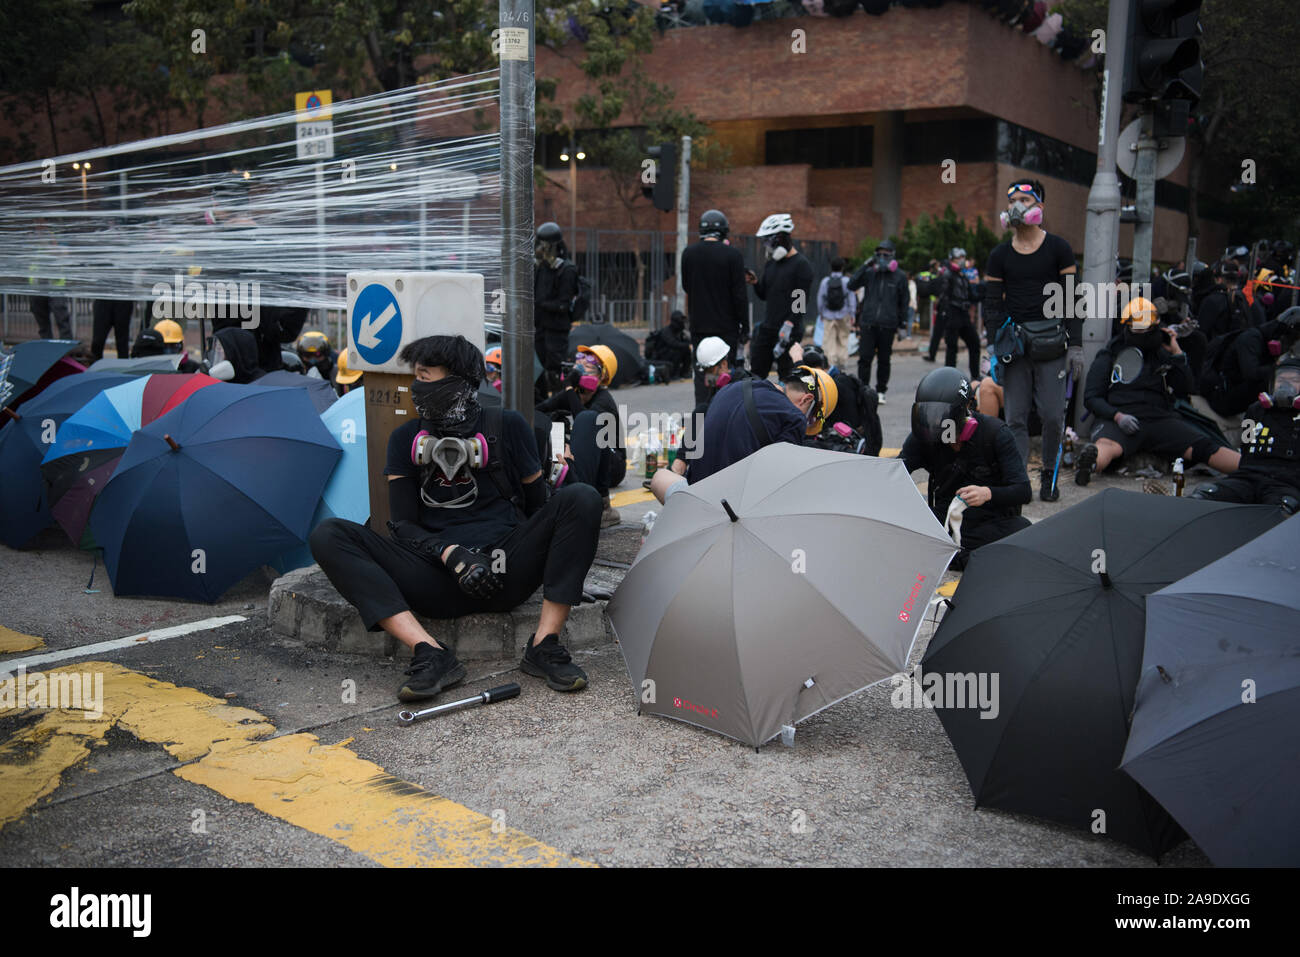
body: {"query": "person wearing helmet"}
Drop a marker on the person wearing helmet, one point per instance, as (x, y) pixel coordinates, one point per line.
(1247, 364)
(172, 338)
(669, 349)
(857, 406)
(1270, 460)
(345, 379)
(317, 357)
(787, 288)
(713, 365)
(473, 529)
(713, 278)
(1130, 391)
(882, 314)
(595, 449)
(1019, 281)
(977, 478)
(555, 285)
(492, 360)
(1224, 309)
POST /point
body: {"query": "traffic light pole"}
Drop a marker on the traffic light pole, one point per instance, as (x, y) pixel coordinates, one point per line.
(1101, 238)
(683, 217)
(1144, 172)
(518, 135)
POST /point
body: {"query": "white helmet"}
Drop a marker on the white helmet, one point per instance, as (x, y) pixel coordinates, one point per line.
(776, 223)
(711, 351)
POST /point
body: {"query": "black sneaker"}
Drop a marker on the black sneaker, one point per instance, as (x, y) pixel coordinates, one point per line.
(1085, 463)
(927, 357)
(1047, 492)
(548, 659)
(432, 671)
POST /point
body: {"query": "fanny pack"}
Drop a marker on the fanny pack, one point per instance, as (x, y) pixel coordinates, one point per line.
(1007, 343)
(1044, 339)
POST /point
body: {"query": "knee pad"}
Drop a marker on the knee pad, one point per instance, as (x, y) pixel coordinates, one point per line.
(1202, 449)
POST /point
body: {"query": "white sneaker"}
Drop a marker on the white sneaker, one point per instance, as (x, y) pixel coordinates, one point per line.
(881, 396)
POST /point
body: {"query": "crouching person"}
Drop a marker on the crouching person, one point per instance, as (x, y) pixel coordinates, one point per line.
(969, 456)
(1270, 460)
(469, 532)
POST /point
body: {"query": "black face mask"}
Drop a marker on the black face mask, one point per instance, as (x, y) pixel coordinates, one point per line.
(1148, 341)
(450, 405)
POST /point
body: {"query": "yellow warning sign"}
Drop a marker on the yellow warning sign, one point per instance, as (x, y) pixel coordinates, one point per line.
(314, 105)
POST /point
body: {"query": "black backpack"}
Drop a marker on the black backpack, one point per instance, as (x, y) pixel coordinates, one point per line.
(835, 293)
(500, 466)
(1214, 376)
(582, 300)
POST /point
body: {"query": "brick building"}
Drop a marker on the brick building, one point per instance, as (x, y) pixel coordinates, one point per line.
(848, 130)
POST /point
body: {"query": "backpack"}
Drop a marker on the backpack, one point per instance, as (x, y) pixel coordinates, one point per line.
(835, 294)
(582, 300)
(1213, 367)
(500, 466)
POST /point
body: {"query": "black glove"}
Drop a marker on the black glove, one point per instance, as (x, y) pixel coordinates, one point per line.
(473, 573)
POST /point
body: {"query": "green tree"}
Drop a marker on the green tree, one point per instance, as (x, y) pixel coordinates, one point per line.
(931, 237)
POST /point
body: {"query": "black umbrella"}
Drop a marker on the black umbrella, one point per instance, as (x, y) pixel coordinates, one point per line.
(320, 392)
(1057, 613)
(626, 349)
(1215, 733)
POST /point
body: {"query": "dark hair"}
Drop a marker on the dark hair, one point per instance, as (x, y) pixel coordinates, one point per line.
(456, 354)
(1037, 186)
(838, 264)
(795, 379)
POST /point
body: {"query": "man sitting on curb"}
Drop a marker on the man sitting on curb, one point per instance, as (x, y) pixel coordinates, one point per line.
(464, 538)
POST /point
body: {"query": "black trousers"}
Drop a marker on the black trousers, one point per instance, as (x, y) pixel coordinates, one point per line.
(1249, 486)
(960, 327)
(43, 307)
(595, 461)
(112, 314)
(553, 548)
(552, 348)
(875, 342)
(938, 326)
(760, 351)
(977, 530)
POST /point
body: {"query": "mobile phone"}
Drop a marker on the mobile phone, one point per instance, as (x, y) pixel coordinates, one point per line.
(557, 438)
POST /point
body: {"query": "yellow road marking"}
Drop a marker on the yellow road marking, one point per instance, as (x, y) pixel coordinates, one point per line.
(11, 641)
(947, 589)
(630, 497)
(890, 453)
(325, 789)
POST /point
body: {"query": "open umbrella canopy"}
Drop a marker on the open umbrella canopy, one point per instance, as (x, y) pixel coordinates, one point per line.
(211, 491)
(320, 392)
(1216, 730)
(750, 605)
(141, 366)
(626, 350)
(1056, 613)
(347, 493)
(92, 440)
(32, 360)
(24, 505)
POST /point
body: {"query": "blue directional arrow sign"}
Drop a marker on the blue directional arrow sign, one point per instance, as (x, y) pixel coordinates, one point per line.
(376, 324)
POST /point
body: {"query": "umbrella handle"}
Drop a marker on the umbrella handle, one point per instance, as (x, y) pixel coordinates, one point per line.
(172, 442)
(11, 413)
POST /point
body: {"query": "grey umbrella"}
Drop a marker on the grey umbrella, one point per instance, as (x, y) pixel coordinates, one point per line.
(777, 587)
(145, 365)
(1215, 734)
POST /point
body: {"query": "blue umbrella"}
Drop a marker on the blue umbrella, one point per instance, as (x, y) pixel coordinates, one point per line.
(24, 503)
(213, 490)
(322, 394)
(347, 494)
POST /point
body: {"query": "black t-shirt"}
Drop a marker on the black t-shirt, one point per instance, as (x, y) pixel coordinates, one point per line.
(492, 516)
(1027, 279)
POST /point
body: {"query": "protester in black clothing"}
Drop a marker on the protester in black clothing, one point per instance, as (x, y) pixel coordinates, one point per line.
(555, 284)
(882, 313)
(1270, 461)
(594, 428)
(1019, 281)
(1224, 309)
(1247, 364)
(968, 456)
(787, 288)
(315, 351)
(114, 314)
(856, 404)
(1130, 389)
(234, 356)
(713, 278)
(464, 538)
(669, 348)
(955, 301)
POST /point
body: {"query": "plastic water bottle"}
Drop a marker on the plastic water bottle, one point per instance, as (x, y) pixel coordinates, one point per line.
(1178, 477)
(647, 525)
(652, 374)
(783, 340)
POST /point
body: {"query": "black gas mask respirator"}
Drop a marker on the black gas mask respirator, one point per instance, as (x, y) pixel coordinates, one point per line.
(446, 452)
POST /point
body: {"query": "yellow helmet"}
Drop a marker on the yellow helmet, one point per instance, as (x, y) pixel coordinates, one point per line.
(343, 375)
(608, 362)
(170, 330)
(825, 396)
(1140, 314)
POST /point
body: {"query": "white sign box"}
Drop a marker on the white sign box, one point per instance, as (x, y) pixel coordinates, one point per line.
(387, 310)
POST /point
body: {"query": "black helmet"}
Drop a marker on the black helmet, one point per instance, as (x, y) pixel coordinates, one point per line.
(1202, 277)
(549, 233)
(714, 223)
(887, 245)
(150, 343)
(814, 357)
(1290, 318)
(944, 396)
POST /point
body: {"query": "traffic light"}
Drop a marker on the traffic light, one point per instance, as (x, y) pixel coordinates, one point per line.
(663, 191)
(1164, 51)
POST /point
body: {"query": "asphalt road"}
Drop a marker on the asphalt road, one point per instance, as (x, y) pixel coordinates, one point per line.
(317, 772)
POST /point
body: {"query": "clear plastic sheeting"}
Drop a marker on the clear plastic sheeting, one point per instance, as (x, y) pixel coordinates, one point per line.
(204, 220)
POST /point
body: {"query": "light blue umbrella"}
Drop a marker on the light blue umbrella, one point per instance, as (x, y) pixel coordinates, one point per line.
(347, 493)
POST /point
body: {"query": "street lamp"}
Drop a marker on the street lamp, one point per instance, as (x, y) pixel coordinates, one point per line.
(83, 167)
(571, 156)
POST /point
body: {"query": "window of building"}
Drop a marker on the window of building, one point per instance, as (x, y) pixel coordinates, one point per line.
(827, 147)
(971, 140)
